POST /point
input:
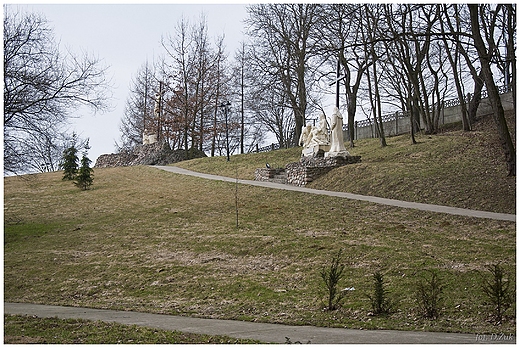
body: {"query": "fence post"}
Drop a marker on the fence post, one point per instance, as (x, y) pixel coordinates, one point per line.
(257, 150)
(396, 123)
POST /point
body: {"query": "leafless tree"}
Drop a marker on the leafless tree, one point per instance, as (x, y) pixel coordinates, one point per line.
(42, 88)
(139, 108)
(284, 48)
(197, 83)
(483, 20)
(342, 28)
(243, 85)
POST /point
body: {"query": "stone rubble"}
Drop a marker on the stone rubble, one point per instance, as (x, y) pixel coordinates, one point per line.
(158, 153)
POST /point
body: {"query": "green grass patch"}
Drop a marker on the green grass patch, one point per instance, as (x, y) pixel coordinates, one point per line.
(29, 330)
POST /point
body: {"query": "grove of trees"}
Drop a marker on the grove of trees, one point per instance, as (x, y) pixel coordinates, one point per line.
(389, 57)
(407, 57)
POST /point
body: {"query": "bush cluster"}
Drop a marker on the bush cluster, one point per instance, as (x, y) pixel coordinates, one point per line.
(428, 291)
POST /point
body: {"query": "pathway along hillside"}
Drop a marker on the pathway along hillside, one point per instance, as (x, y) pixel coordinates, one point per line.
(378, 200)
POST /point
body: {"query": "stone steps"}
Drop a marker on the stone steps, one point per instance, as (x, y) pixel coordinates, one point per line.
(305, 171)
(280, 178)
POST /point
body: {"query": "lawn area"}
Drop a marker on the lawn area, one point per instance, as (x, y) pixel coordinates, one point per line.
(20, 329)
(148, 240)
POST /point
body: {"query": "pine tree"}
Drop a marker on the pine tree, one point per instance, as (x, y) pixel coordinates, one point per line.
(70, 163)
(84, 178)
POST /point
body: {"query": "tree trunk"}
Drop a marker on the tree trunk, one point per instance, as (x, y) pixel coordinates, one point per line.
(493, 95)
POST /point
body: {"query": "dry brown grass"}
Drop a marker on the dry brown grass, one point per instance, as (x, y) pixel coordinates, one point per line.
(147, 240)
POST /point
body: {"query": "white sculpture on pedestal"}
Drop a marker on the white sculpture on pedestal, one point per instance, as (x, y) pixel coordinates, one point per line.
(313, 139)
(337, 145)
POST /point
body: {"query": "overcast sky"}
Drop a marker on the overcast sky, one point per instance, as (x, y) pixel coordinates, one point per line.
(125, 36)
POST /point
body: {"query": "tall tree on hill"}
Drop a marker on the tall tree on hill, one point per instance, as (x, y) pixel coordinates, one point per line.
(283, 36)
(455, 51)
(42, 86)
(372, 14)
(196, 81)
(343, 31)
(484, 20)
(138, 114)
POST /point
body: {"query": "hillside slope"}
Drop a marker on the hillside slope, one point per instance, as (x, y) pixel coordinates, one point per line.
(454, 168)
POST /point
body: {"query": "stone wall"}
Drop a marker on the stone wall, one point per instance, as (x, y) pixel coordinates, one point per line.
(310, 168)
(305, 171)
(148, 154)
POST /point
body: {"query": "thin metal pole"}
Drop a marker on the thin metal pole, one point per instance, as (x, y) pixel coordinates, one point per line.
(337, 85)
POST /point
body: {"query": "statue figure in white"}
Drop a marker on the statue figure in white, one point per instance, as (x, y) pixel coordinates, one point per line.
(313, 139)
(320, 135)
(337, 146)
(306, 136)
(149, 138)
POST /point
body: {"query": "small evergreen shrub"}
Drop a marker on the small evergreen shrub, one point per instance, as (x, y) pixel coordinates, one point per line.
(331, 276)
(498, 290)
(428, 293)
(381, 303)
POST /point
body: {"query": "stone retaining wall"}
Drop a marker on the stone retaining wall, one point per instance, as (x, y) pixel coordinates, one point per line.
(305, 171)
(310, 168)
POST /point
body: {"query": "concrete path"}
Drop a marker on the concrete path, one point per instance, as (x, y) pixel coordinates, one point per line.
(379, 200)
(268, 333)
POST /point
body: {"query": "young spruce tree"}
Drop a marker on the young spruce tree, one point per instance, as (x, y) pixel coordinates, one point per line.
(85, 175)
(70, 163)
(70, 160)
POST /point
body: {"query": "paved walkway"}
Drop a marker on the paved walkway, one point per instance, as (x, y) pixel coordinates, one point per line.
(379, 200)
(268, 333)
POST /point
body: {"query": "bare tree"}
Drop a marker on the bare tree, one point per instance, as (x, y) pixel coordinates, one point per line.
(243, 84)
(342, 28)
(138, 116)
(454, 55)
(483, 19)
(42, 88)
(284, 47)
(372, 22)
(178, 48)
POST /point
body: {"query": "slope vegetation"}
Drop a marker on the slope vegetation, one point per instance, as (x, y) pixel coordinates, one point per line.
(454, 168)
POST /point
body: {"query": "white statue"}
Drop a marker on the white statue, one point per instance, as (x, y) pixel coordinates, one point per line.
(337, 146)
(320, 135)
(149, 138)
(306, 136)
(313, 139)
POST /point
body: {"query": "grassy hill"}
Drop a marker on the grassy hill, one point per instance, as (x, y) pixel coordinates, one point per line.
(147, 240)
(454, 168)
